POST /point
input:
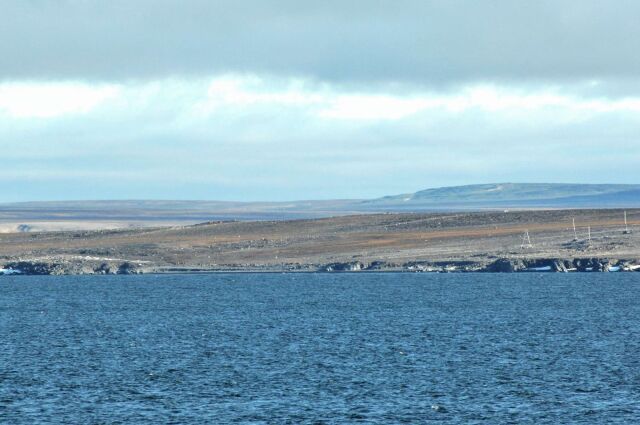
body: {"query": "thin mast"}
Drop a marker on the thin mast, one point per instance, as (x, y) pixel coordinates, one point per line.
(526, 240)
(626, 226)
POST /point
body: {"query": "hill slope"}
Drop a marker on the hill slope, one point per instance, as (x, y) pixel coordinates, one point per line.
(524, 195)
(35, 216)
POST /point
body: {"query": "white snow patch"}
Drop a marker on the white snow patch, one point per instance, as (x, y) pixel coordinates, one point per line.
(88, 257)
(540, 269)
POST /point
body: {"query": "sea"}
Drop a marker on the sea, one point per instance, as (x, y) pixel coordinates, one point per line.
(374, 348)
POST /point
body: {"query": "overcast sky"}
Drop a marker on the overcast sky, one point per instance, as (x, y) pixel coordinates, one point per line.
(281, 100)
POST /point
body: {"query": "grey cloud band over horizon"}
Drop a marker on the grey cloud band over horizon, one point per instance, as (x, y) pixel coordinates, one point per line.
(280, 100)
(410, 41)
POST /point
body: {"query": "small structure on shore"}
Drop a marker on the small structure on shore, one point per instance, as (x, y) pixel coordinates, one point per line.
(626, 225)
(526, 240)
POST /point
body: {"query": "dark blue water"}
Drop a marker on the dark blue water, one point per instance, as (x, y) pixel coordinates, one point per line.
(348, 348)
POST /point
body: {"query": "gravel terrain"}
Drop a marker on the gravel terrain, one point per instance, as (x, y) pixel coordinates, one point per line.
(451, 241)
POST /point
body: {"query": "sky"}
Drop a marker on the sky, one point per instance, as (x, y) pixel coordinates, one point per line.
(282, 100)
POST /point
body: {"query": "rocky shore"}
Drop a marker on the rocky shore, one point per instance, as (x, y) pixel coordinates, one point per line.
(490, 242)
(65, 268)
(500, 265)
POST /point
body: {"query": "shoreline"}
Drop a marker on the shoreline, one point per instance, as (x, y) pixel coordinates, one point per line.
(435, 242)
(500, 265)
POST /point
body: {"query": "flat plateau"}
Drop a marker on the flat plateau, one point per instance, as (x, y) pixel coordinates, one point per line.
(441, 242)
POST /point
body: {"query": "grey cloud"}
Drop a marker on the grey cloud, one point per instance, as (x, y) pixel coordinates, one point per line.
(256, 154)
(341, 41)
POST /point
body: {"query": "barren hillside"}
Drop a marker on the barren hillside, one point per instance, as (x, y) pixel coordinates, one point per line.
(386, 241)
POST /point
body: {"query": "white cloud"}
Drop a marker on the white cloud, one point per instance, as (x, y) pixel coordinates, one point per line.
(372, 107)
(247, 93)
(235, 131)
(49, 100)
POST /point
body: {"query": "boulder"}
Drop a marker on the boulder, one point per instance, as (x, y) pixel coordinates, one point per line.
(128, 268)
(104, 268)
(504, 265)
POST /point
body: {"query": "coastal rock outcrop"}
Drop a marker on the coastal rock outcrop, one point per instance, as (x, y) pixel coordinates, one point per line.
(500, 265)
(35, 268)
(39, 268)
(511, 265)
(505, 265)
(128, 268)
(354, 266)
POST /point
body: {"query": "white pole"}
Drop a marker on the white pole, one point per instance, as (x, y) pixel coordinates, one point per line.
(575, 234)
(626, 226)
(589, 233)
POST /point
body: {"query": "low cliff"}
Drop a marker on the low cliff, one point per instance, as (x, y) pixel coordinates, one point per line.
(500, 265)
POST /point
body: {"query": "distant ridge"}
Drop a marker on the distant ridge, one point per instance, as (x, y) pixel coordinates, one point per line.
(525, 195)
(454, 198)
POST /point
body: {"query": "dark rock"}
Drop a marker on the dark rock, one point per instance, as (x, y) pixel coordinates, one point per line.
(104, 268)
(558, 266)
(35, 268)
(588, 264)
(600, 265)
(128, 268)
(377, 265)
(504, 265)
